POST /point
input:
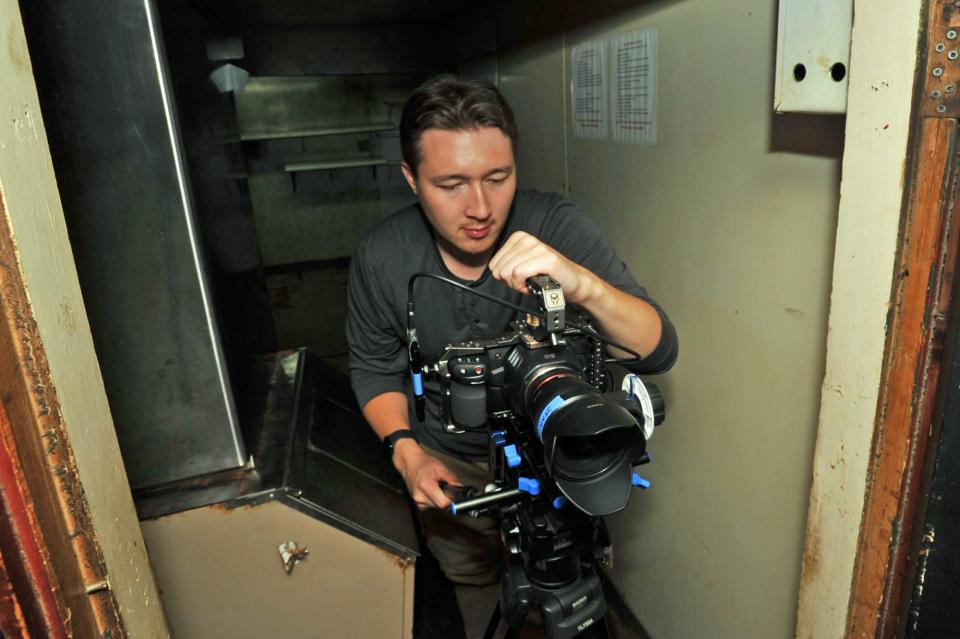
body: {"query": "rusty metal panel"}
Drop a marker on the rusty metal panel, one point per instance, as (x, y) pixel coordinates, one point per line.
(942, 73)
(322, 524)
(209, 593)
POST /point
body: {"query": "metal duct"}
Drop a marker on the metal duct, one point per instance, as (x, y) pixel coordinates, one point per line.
(113, 133)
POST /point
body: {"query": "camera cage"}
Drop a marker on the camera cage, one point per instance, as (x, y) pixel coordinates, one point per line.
(530, 388)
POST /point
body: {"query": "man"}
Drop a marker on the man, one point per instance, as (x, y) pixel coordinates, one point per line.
(471, 224)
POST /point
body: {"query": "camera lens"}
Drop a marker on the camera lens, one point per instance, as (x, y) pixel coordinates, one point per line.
(588, 441)
(580, 448)
(587, 456)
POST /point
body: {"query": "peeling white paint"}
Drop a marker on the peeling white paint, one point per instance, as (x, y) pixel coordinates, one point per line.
(883, 62)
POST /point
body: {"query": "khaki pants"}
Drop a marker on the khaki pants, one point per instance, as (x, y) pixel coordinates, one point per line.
(468, 550)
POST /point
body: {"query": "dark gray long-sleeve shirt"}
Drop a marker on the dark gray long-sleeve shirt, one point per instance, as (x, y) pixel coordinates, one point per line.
(403, 244)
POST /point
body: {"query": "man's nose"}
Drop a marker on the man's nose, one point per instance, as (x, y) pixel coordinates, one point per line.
(479, 205)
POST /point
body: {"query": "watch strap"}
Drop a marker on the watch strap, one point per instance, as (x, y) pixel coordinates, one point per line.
(390, 441)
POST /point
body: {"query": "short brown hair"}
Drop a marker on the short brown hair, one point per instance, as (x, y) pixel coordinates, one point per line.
(448, 103)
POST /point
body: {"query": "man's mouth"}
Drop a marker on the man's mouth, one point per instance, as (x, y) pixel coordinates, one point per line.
(477, 233)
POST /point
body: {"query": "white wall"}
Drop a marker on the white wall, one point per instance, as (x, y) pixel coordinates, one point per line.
(729, 220)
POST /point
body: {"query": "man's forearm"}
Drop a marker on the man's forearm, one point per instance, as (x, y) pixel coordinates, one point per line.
(622, 317)
(422, 473)
(387, 412)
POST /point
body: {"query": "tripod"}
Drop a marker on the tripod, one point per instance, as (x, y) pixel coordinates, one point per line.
(557, 574)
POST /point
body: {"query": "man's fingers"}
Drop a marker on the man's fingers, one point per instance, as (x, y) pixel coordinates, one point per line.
(427, 498)
(525, 268)
(505, 272)
(422, 501)
(524, 258)
(508, 244)
(429, 492)
(447, 476)
(436, 495)
(514, 243)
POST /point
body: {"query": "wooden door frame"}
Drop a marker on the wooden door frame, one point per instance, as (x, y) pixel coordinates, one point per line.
(31, 603)
(61, 432)
(921, 306)
(40, 450)
(882, 342)
(922, 301)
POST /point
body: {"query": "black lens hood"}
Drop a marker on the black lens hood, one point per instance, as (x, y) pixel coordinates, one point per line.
(598, 479)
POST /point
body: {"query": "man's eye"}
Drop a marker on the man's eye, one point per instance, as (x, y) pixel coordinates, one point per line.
(450, 187)
(497, 181)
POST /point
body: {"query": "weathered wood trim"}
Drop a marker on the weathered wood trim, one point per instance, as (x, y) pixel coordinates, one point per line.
(12, 623)
(112, 577)
(27, 566)
(30, 401)
(921, 303)
(880, 129)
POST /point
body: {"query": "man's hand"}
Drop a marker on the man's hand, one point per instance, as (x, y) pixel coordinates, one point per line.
(622, 317)
(422, 474)
(523, 256)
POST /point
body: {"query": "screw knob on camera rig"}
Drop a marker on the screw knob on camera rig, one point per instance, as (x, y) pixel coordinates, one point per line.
(550, 295)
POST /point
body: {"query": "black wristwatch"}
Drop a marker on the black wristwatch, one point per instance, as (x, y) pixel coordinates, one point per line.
(391, 440)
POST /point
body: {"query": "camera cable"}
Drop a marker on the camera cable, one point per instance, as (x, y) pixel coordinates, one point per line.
(585, 328)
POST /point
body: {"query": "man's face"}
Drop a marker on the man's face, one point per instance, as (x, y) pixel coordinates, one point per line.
(466, 181)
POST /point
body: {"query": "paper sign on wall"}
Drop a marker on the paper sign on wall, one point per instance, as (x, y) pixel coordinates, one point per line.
(634, 86)
(589, 88)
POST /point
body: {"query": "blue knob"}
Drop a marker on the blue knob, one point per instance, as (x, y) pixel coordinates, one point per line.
(513, 457)
(637, 480)
(559, 502)
(417, 384)
(531, 486)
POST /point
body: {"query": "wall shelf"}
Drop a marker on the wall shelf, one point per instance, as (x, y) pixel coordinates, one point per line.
(297, 167)
(309, 133)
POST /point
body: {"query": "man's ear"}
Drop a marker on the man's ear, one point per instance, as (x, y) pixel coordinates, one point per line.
(410, 177)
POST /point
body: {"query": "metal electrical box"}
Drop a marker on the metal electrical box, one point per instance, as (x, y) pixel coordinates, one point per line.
(813, 56)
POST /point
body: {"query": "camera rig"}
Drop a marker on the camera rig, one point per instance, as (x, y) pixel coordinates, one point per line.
(562, 449)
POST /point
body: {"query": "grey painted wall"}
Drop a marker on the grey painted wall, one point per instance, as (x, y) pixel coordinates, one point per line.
(729, 220)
